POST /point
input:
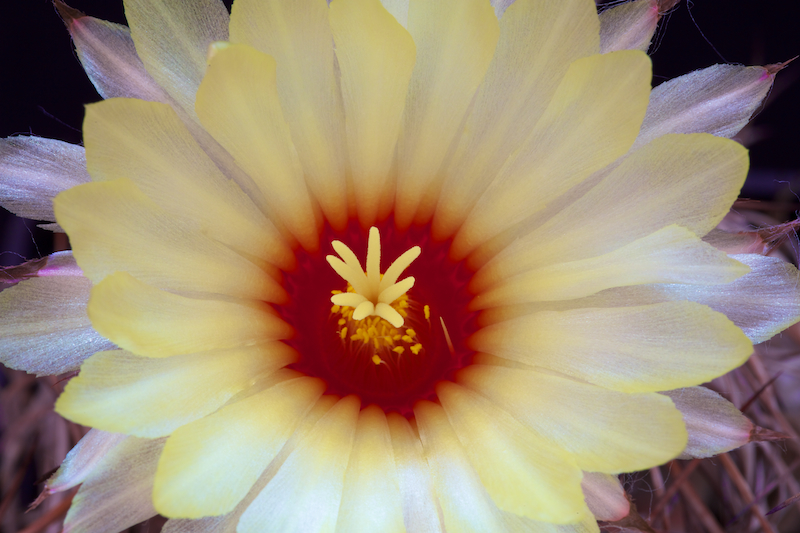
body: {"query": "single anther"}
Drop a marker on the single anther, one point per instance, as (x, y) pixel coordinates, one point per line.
(373, 294)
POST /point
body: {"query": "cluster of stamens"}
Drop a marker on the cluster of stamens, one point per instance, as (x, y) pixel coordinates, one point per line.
(372, 312)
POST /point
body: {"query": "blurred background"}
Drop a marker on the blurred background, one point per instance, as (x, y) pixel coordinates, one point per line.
(43, 91)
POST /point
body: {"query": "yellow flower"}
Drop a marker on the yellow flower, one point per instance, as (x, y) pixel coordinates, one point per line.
(388, 266)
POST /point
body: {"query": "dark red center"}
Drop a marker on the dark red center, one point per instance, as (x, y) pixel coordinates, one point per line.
(441, 284)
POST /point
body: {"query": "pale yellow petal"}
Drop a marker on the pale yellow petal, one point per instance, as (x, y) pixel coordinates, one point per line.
(630, 349)
(376, 56)
(455, 42)
(464, 502)
(420, 511)
(298, 36)
(172, 40)
(670, 255)
(306, 492)
(605, 496)
(148, 143)
(522, 472)
(592, 119)
(399, 10)
(689, 180)
(124, 393)
(539, 39)
(208, 466)
(154, 323)
(114, 227)
(714, 424)
(628, 26)
(606, 431)
(371, 496)
(238, 104)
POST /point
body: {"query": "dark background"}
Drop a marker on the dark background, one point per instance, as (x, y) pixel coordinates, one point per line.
(43, 88)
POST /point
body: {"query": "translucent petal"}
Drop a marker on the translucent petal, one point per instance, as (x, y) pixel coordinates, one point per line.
(116, 494)
(81, 460)
(628, 26)
(720, 99)
(714, 424)
(172, 41)
(34, 170)
(605, 496)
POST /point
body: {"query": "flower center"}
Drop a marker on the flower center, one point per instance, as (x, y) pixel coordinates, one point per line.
(368, 332)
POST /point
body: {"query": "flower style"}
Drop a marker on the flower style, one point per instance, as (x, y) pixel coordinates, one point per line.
(387, 266)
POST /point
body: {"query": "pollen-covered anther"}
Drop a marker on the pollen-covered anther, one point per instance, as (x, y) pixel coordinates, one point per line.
(372, 293)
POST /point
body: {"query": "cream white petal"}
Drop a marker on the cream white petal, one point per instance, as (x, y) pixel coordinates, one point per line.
(455, 42)
(500, 6)
(149, 144)
(376, 56)
(606, 431)
(522, 473)
(720, 100)
(151, 397)
(714, 424)
(45, 329)
(591, 120)
(81, 460)
(371, 495)
(228, 523)
(172, 40)
(420, 510)
(298, 36)
(154, 323)
(114, 227)
(116, 494)
(109, 57)
(670, 255)
(605, 496)
(464, 502)
(630, 349)
(33, 170)
(237, 103)
(689, 180)
(628, 26)
(306, 491)
(538, 42)
(208, 466)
